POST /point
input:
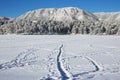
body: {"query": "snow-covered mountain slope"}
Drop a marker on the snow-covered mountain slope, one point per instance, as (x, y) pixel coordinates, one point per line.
(59, 57)
(4, 18)
(59, 14)
(66, 20)
(108, 16)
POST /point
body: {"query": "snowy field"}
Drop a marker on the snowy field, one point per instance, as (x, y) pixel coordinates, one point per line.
(59, 57)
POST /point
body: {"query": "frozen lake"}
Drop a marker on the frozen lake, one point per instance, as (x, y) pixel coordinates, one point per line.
(59, 57)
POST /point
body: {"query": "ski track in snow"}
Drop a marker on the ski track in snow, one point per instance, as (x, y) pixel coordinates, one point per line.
(64, 73)
(94, 63)
(24, 58)
(28, 58)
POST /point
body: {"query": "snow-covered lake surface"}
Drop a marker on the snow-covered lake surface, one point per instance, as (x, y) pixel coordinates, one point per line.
(59, 57)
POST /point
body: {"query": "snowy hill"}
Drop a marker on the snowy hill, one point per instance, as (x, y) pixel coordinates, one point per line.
(3, 20)
(108, 16)
(68, 20)
(59, 14)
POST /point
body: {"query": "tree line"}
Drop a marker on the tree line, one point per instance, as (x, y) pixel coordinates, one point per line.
(28, 27)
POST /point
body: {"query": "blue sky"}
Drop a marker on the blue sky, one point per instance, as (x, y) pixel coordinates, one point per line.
(14, 8)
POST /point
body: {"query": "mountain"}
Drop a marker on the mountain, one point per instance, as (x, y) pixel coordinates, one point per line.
(69, 20)
(108, 16)
(4, 20)
(59, 14)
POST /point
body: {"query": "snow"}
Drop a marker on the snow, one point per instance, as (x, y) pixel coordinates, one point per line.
(59, 57)
(59, 14)
(108, 16)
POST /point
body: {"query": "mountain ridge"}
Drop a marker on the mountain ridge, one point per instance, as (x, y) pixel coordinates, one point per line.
(62, 21)
(83, 15)
(59, 14)
(108, 16)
